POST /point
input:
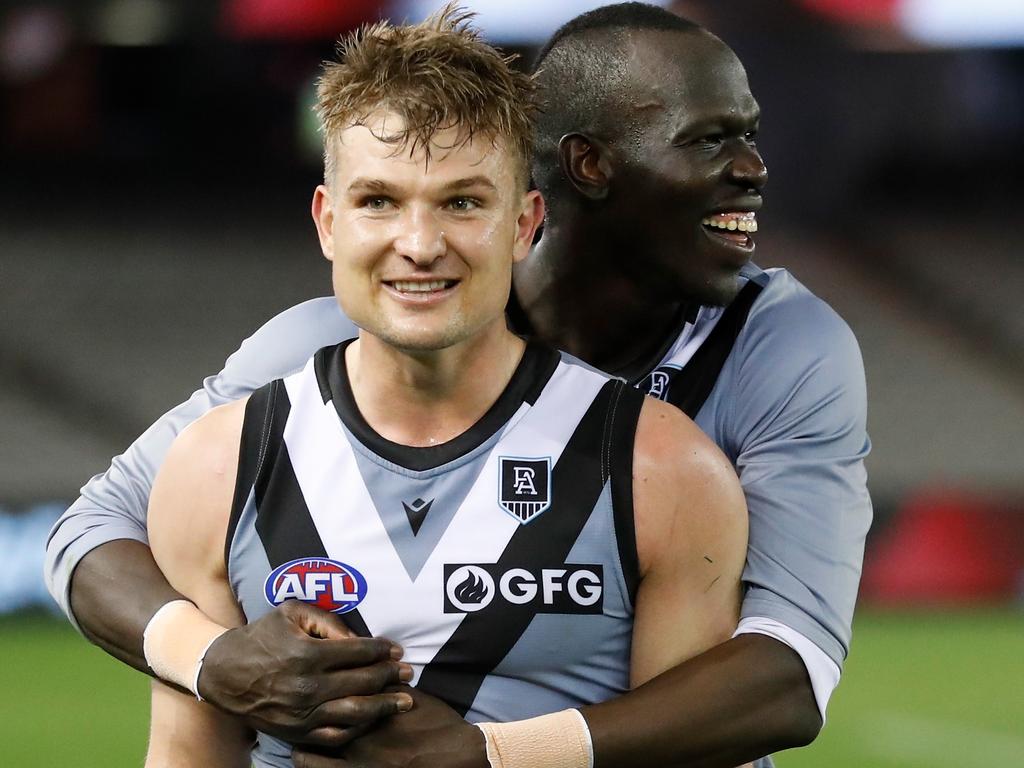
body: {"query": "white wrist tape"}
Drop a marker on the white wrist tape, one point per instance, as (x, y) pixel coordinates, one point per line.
(175, 643)
(559, 740)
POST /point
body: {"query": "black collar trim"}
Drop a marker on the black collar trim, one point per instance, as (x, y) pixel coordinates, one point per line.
(528, 381)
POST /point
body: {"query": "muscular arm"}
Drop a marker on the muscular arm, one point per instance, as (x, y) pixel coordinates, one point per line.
(691, 530)
(116, 626)
(188, 518)
(691, 538)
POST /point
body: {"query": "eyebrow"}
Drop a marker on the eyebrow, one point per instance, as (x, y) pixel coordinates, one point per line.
(468, 182)
(363, 184)
(379, 186)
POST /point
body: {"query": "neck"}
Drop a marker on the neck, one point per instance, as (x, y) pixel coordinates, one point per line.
(424, 398)
(576, 296)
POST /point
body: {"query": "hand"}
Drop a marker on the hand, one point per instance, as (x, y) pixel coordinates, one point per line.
(431, 735)
(300, 674)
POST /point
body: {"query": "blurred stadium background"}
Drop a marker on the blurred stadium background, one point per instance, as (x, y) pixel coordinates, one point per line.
(157, 162)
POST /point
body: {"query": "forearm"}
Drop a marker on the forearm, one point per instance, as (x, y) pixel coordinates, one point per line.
(115, 590)
(185, 732)
(744, 699)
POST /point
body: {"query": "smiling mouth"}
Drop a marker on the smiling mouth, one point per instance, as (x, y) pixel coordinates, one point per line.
(420, 286)
(421, 293)
(733, 227)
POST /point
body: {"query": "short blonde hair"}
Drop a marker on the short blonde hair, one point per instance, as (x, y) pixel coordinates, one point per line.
(435, 75)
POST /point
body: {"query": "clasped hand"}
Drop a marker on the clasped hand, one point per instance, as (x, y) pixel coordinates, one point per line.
(300, 674)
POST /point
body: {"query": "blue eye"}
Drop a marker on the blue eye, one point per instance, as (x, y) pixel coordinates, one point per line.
(463, 204)
(376, 203)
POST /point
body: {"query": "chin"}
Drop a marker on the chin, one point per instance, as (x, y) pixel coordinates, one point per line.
(718, 291)
(420, 339)
(416, 343)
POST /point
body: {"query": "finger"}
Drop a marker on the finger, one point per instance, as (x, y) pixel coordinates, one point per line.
(405, 688)
(363, 681)
(314, 621)
(360, 710)
(355, 652)
(332, 736)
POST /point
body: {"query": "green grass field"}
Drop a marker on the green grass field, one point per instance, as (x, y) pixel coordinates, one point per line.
(923, 689)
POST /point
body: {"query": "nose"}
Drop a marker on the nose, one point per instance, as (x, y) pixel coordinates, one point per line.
(421, 239)
(747, 168)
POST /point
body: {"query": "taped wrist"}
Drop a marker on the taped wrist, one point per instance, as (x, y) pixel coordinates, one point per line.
(175, 643)
(559, 740)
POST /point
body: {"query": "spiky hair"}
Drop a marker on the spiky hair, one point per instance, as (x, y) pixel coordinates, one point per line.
(434, 75)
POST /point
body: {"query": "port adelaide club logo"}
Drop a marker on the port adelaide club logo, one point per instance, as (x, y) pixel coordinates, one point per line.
(327, 584)
(469, 588)
(524, 487)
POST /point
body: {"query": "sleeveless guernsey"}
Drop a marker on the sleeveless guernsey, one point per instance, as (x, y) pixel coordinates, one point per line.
(503, 561)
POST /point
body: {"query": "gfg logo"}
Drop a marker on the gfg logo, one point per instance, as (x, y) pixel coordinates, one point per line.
(572, 589)
(327, 584)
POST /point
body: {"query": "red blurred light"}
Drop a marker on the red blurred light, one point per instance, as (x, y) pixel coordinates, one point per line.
(870, 12)
(295, 19)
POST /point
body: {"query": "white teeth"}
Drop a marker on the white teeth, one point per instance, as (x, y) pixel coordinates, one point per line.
(732, 222)
(410, 286)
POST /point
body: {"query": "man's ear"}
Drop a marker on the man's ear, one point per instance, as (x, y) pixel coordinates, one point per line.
(587, 164)
(531, 216)
(323, 217)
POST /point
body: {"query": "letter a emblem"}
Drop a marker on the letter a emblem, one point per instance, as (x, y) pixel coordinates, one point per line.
(524, 486)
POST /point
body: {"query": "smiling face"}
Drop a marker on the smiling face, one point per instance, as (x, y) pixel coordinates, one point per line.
(688, 176)
(422, 250)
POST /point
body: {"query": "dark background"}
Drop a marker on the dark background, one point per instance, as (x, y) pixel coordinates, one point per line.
(158, 161)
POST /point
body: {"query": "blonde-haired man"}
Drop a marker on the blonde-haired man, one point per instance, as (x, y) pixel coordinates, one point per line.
(534, 534)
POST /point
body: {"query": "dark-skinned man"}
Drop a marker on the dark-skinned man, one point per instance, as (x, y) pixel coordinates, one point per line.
(648, 165)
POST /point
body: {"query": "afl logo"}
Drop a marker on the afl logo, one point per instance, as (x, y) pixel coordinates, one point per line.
(327, 584)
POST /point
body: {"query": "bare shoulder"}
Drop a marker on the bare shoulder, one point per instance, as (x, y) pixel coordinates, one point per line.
(191, 498)
(672, 450)
(686, 493)
(212, 433)
(691, 537)
(204, 458)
